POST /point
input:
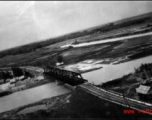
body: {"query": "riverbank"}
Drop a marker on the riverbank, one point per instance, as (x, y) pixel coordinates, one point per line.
(47, 102)
(128, 84)
(31, 85)
(78, 104)
(24, 85)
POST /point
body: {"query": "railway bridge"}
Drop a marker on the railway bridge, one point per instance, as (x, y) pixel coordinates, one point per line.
(64, 76)
(76, 80)
(73, 79)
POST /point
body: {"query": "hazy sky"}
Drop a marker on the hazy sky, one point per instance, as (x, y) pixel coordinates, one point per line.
(22, 22)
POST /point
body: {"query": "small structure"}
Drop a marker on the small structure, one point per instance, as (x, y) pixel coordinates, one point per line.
(59, 64)
(144, 92)
(143, 89)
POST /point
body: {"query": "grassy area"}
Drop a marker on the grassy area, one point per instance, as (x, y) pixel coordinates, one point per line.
(134, 48)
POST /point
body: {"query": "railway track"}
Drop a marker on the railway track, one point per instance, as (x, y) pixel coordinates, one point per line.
(117, 98)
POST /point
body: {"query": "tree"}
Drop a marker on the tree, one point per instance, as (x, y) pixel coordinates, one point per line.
(60, 58)
(4, 76)
(143, 76)
(28, 74)
(1, 76)
(17, 71)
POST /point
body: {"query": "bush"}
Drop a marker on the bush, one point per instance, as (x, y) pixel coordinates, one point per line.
(60, 58)
(5, 75)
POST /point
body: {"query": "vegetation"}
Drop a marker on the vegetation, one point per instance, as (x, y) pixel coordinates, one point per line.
(59, 58)
(28, 74)
(144, 72)
(5, 75)
(17, 72)
(116, 82)
(128, 83)
(146, 69)
(78, 104)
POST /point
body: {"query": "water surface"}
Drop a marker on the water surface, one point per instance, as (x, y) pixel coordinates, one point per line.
(109, 72)
(32, 95)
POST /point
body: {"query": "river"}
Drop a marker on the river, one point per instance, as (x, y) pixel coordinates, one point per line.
(110, 72)
(32, 95)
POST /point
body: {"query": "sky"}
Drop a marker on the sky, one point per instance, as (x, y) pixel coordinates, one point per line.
(23, 22)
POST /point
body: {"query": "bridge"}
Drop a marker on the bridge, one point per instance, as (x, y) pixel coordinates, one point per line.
(65, 76)
(75, 79)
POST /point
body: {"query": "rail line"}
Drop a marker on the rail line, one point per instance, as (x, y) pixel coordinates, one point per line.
(117, 98)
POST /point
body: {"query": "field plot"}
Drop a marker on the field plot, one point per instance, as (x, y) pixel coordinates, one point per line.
(111, 52)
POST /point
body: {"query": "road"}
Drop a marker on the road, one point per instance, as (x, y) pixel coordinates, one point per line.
(116, 98)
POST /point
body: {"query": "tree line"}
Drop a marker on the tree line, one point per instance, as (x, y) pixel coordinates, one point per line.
(16, 72)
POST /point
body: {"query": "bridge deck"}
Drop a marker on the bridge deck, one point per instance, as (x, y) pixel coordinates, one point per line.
(66, 76)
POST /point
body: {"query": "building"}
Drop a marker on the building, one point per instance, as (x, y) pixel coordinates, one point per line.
(59, 64)
(144, 92)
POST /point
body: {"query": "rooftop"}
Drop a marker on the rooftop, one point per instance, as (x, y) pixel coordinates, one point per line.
(143, 89)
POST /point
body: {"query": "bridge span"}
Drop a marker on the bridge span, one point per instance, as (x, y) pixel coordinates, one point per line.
(74, 80)
(65, 76)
